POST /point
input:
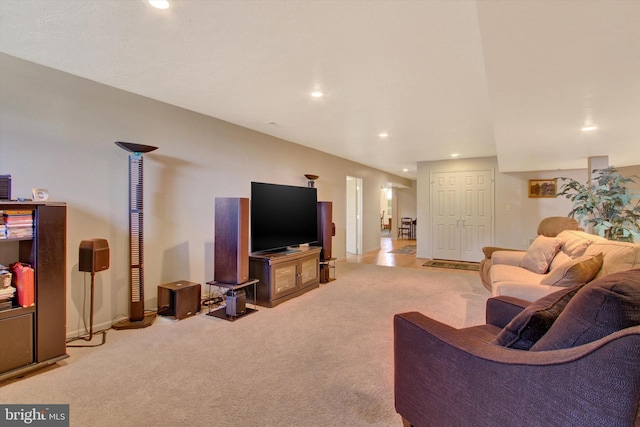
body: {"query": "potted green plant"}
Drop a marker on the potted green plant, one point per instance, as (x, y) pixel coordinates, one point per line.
(607, 203)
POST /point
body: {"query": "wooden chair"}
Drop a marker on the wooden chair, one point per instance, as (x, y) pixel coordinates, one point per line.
(404, 228)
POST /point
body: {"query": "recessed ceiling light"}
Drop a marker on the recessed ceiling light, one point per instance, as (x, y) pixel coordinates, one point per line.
(159, 4)
(272, 123)
(454, 155)
(317, 94)
(405, 170)
(383, 134)
(589, 128)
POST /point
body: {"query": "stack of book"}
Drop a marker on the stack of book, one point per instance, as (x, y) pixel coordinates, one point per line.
(17, 223)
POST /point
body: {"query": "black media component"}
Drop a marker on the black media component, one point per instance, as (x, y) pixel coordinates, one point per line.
(236, 302)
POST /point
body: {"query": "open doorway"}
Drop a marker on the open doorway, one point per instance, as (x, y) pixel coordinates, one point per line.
(354, 215)
(386, 211)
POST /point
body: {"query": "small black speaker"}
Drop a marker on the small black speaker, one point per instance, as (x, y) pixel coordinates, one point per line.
(94, 255)
(5, 187)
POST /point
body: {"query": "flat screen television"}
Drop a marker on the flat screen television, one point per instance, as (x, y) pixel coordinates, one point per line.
(282, 216)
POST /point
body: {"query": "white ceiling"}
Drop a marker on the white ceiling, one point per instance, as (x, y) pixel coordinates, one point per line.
(516, 79)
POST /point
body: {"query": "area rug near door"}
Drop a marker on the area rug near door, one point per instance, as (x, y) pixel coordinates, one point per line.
(406, 250)
(458, 265)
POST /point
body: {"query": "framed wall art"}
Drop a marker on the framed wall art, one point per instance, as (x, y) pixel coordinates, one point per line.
(543, 187)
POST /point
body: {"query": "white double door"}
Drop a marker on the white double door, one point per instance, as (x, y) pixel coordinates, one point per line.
(461, 214)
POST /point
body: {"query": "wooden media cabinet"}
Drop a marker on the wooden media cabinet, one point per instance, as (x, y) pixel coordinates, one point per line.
(285, 275)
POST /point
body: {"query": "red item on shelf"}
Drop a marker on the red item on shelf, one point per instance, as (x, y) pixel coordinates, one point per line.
(23, 281)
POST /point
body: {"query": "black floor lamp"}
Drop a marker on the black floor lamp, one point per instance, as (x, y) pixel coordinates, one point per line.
(137, 318)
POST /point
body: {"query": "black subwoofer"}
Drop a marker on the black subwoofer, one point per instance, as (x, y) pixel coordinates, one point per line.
(179, 299)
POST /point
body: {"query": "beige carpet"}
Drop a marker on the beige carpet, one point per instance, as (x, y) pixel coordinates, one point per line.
(323, 359)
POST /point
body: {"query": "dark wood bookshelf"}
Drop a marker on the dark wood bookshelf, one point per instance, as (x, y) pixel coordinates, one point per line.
(34, 337)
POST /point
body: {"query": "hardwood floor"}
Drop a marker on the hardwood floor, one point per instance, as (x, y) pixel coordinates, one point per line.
(384, 257)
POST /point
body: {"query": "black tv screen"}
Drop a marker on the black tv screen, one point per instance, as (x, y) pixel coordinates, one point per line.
(282, 216)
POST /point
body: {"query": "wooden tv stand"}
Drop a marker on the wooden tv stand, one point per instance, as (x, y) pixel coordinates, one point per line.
(285, 275)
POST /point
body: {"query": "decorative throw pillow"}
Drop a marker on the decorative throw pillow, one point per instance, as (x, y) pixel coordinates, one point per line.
(540, 254)
(602, 307)
(534, 321)
(575, 242)
(560, 258)
(579, 270)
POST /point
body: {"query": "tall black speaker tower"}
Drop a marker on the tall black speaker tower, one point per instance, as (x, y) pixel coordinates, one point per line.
(326, 229)
(231, 240)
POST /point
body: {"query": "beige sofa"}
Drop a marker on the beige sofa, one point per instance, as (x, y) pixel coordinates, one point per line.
(569, 258)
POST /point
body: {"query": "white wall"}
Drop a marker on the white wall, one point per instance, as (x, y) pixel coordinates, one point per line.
(57, 131)
(407, 202)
